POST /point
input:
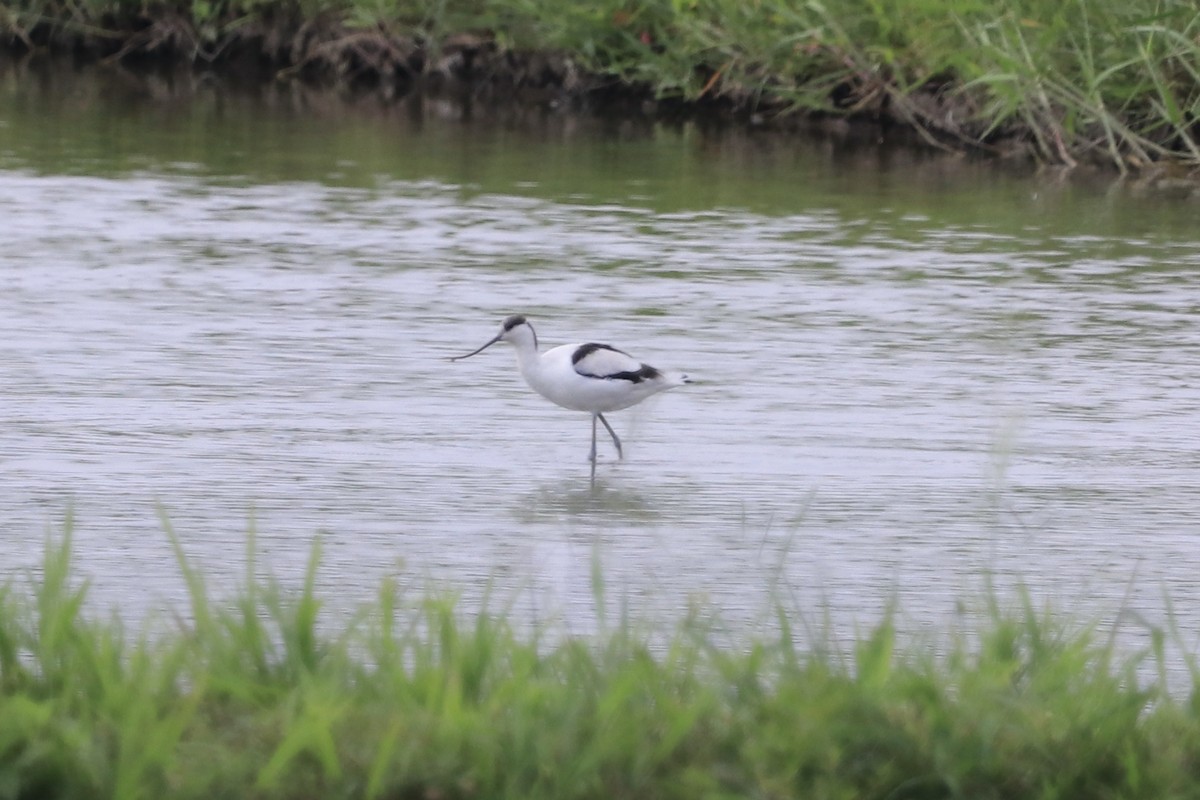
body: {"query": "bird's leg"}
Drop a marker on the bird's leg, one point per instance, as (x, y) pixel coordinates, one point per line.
(611, 433)
(592, 454)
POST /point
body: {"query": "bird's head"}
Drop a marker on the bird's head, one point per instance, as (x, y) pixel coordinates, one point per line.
(515, 330)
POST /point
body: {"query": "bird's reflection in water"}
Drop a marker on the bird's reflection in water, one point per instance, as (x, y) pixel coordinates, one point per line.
(602, 501)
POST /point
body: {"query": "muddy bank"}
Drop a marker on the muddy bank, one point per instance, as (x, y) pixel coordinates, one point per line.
(278, 44)
(393, 64)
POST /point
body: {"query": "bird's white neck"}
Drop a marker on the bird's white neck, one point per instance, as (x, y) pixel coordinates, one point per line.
(527, 358)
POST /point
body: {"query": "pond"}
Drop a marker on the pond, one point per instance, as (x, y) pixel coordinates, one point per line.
(915, 374)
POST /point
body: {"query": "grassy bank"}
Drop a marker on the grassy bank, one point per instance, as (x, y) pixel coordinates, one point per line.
(1115, 81)
(259, 697)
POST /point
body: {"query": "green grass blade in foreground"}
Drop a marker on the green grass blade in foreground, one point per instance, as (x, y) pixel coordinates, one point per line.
(260, 696)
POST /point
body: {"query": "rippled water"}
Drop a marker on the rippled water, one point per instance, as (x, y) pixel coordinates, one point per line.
(910, 375)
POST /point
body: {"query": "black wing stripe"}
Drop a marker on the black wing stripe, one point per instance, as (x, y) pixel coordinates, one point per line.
(644, 372)
(585, 350)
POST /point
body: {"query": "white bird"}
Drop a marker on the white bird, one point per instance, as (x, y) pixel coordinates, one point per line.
(583, 377)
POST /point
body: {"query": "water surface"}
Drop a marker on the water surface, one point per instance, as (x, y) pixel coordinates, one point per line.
(913, 372)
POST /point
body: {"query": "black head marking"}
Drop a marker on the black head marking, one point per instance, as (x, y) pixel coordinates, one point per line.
(516, 320)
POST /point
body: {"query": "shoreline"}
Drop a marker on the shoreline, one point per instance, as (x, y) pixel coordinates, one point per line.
(335, 49)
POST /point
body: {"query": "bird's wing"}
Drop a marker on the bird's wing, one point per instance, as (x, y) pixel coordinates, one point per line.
(608, 363)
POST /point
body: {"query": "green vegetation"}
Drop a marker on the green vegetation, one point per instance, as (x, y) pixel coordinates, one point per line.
(255, 698)
(1097, 80)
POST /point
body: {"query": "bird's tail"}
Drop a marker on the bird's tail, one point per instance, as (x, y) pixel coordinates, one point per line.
(678, 378)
